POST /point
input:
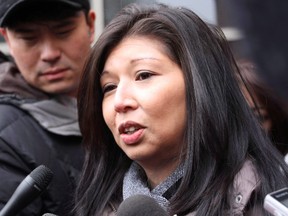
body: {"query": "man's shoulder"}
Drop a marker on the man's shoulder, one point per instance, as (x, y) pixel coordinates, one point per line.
(10, 114)
(17, 125)
(21, 135)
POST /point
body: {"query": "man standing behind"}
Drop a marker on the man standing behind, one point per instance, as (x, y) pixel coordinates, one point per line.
(49, 41)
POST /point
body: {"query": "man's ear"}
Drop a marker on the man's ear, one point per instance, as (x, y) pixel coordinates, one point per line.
(91, 24)
(4, 33)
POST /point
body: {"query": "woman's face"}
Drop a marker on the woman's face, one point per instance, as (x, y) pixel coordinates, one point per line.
(144, 101)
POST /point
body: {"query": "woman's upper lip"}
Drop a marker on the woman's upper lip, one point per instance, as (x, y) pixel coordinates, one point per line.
(122, 127)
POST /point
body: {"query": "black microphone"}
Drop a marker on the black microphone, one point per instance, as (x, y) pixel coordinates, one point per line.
(30, 188)
(49, 214)
(140, 205)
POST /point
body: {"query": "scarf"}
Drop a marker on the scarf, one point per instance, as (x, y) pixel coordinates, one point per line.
(57, 114)
(135, 182)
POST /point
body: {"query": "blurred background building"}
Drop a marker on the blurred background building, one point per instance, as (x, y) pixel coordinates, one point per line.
(212, 11)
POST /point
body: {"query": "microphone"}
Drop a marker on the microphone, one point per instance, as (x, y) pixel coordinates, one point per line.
(140, 205)
(30, 188)
(276, 202)
(49, 214)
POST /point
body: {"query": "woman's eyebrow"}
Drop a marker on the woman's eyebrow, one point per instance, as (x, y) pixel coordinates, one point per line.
(143, 59)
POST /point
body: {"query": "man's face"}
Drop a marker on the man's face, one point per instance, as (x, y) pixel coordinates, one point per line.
(50, 55)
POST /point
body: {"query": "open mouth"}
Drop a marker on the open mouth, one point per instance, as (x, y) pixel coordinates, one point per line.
(131, 133)
(130, 130)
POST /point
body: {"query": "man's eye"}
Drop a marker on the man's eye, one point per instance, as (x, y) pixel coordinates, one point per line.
(29, 39)
(107, 88)
(64, 32)
(143, 75)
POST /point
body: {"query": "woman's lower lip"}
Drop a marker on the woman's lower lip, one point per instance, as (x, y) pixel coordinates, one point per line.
(133, 138)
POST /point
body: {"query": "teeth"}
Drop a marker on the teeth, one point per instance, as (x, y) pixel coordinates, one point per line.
(130, 130)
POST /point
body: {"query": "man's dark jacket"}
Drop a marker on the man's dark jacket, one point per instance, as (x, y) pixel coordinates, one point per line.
(25, 144)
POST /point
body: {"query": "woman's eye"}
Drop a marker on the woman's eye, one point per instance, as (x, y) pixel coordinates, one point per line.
(143, 75)
(107, 88)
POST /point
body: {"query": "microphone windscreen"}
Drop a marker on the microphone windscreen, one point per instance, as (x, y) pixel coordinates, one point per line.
(140, 205)
(42, 176)
(29, 189)
(49, 214)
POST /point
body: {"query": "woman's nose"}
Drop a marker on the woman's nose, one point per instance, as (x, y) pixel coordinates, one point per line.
(125, 98)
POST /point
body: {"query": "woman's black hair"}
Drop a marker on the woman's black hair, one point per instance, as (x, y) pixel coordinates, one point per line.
(221, 131)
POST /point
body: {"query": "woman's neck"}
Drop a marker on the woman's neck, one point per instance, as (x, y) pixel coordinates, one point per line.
(157, 174)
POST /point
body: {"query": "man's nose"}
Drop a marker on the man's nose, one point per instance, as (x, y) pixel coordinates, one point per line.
(50, 52)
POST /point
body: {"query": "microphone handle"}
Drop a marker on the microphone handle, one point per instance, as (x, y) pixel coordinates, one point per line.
(23, 195)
